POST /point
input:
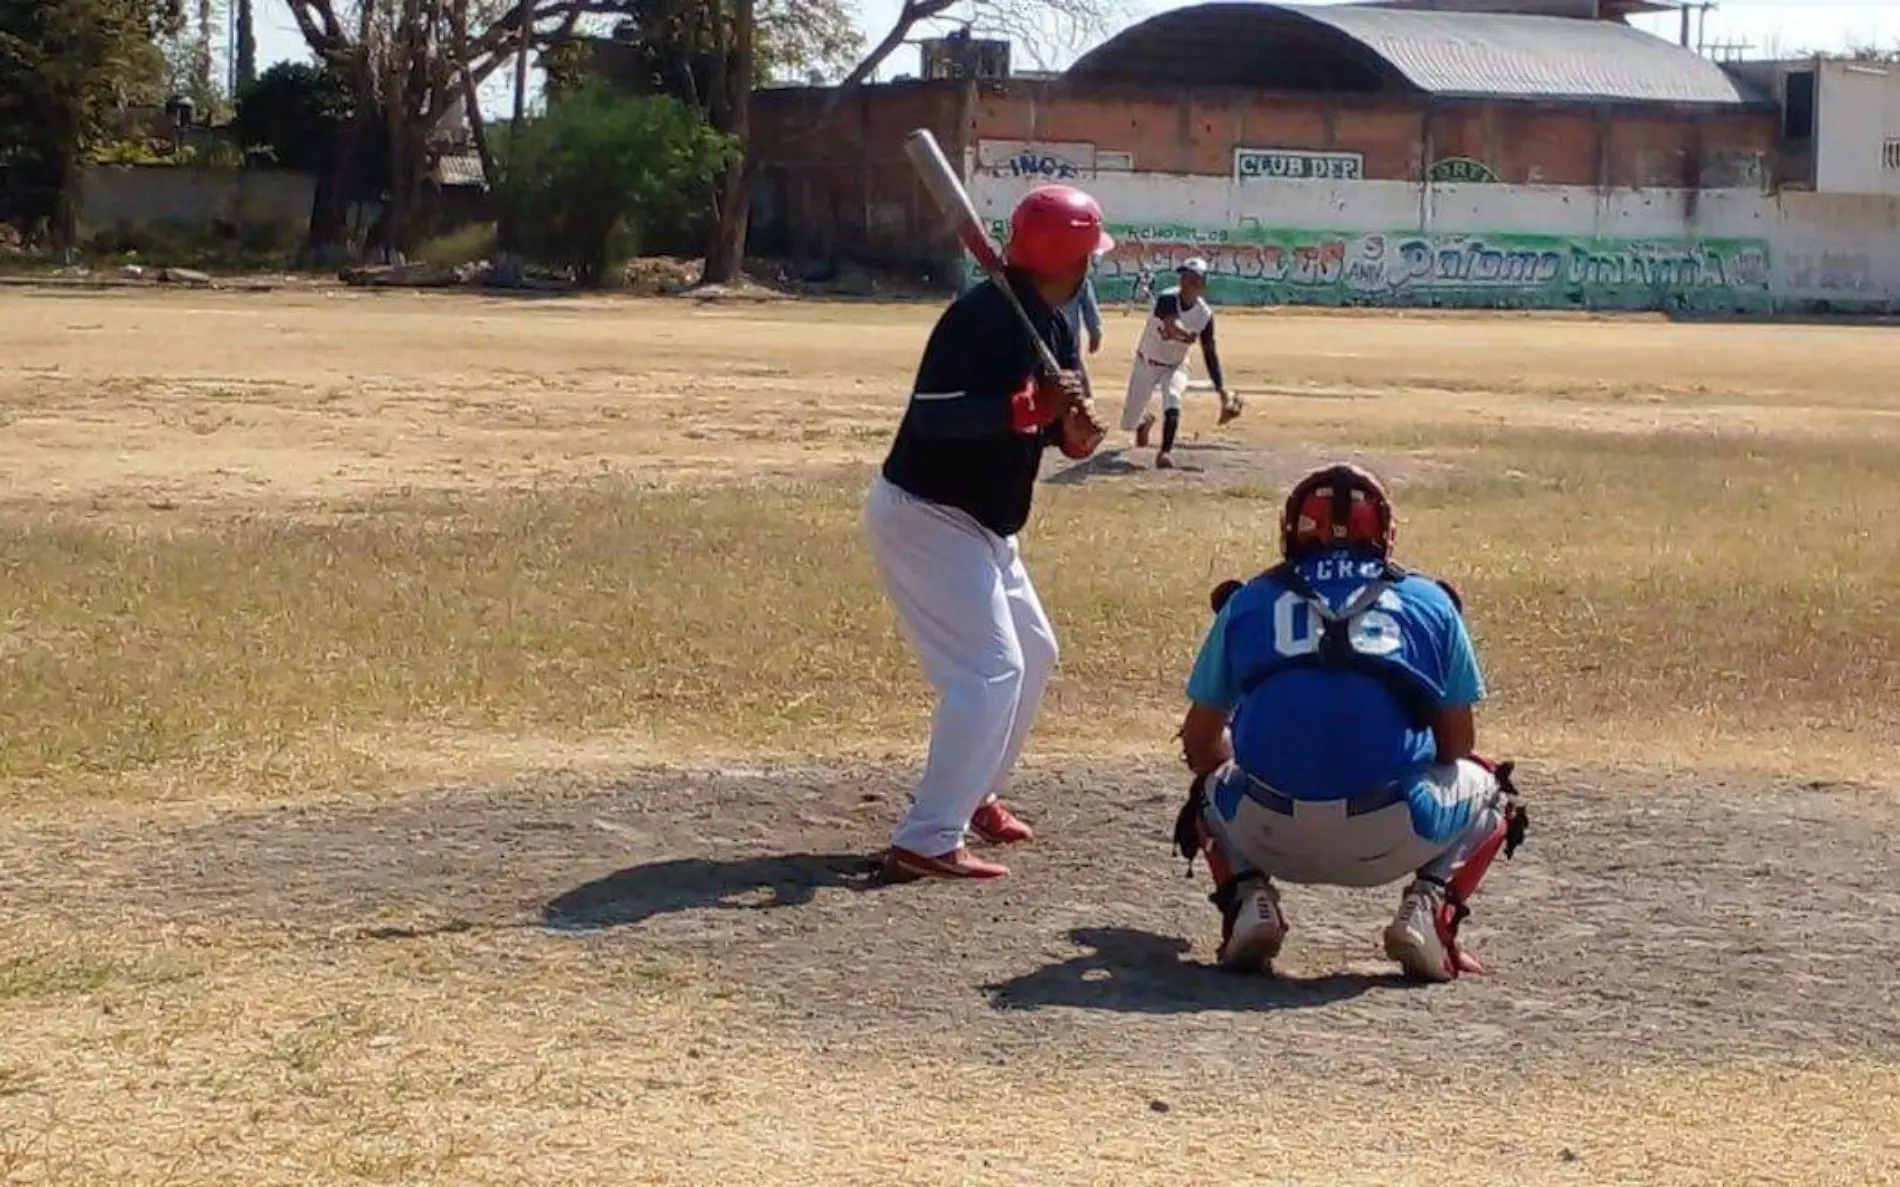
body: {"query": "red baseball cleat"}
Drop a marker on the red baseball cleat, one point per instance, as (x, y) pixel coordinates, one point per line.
(998, 825)
(902, 865)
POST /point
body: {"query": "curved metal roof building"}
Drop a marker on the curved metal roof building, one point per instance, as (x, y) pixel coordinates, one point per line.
(1370, 48)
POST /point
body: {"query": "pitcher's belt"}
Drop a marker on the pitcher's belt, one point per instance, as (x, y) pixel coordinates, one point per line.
(1363, 803)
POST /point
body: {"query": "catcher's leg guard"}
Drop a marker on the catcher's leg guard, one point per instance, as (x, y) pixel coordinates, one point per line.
(1469, 873)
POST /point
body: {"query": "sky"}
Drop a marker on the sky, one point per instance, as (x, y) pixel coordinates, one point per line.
(1769, 28)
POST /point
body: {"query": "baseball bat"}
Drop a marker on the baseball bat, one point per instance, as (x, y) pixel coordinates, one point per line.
(953, 203)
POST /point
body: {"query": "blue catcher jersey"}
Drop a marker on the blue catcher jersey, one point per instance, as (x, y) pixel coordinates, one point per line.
(1316, 732)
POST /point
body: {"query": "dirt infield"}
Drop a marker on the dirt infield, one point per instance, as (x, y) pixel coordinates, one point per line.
(442, 740)
(1646, 922)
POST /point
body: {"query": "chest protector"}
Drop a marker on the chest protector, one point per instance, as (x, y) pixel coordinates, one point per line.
(1416, 699)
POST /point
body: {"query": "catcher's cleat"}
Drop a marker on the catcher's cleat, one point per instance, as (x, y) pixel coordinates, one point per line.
(995, 823)
(1414, 938)
(902, 865)
(1254, 930)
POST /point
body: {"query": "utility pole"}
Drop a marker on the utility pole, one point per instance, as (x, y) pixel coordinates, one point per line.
(244, 47)
(521, 66)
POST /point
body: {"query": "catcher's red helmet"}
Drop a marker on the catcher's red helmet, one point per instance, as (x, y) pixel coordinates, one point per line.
(1054, 229)
(1341, 506)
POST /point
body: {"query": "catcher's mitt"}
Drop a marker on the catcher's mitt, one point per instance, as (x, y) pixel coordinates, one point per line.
(1230, 406)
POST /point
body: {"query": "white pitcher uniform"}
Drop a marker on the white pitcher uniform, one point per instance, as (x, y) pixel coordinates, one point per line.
(1161, 361)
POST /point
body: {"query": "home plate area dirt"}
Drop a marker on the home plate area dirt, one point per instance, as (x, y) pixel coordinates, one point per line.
(1684, 919)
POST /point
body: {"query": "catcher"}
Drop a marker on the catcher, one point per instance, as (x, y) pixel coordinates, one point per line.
(943, 517)
(1330, 734)
(1181, 317)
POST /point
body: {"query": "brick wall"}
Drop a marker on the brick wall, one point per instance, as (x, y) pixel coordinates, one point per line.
(849, 191)
(1550, 144)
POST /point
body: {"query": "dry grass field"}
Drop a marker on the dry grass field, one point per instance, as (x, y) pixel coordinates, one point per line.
(441, 738)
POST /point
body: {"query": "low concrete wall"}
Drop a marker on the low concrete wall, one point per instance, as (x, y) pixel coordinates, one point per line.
(143, 196)
(1491, 245)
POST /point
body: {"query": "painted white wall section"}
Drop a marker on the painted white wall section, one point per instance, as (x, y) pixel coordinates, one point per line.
(1489, 245)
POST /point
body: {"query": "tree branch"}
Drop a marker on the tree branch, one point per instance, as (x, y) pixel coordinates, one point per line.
(471, 101)
(326, 42)
(909, 17)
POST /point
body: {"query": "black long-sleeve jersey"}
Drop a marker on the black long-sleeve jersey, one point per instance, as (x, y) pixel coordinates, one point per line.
(957, 444)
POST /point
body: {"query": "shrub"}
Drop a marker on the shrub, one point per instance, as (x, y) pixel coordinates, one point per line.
(600, 170)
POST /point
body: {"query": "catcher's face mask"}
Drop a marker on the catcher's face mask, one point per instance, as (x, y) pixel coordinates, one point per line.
(1338, 507)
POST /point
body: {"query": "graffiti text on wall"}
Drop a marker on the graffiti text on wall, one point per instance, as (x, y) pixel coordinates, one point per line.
(1021, 158)
(1264, 266)
(1460, 170)
(1276, 164)
(1829, 272)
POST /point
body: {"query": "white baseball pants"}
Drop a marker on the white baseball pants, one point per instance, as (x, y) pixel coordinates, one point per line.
(1360, 842)
(972, 617)
(1143, 378)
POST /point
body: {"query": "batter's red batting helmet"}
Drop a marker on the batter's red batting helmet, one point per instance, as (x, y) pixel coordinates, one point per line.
(1054, 228)
(1341, 506)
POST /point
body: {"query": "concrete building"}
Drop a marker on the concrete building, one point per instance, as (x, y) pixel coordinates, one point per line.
(1840, 122)
(1407, 152)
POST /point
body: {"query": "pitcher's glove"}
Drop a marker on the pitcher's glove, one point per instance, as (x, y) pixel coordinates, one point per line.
(1230, 405)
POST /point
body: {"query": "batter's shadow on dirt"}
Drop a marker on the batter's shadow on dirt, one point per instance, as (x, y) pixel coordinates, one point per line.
(641, 892)
(1109, 463)
(1130, 971)
(1190, 458)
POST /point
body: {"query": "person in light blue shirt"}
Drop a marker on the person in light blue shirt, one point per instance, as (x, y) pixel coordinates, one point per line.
(1331, 732)
(1084, 312)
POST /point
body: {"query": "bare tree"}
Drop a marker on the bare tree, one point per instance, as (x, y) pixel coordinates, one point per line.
(411, 64)
(1048, 29)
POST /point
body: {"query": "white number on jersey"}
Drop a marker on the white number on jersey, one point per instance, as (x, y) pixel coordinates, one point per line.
(1296, 627)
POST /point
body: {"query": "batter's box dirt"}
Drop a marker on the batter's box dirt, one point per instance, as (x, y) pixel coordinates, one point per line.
(1229, 464)
(1680, 919)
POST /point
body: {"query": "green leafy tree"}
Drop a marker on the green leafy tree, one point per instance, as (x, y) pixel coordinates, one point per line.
(301, 117)
(604, 169)
(294, 114)
(668, 46)
(804, 39)
(65, 67)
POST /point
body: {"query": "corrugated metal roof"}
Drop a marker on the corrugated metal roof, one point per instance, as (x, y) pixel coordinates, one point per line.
(459, 169)
(1356, 47)
(1506, 54)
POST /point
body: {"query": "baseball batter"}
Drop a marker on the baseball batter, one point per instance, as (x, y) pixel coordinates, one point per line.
(1331, 733)
(943, 517)
(1181, 317)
